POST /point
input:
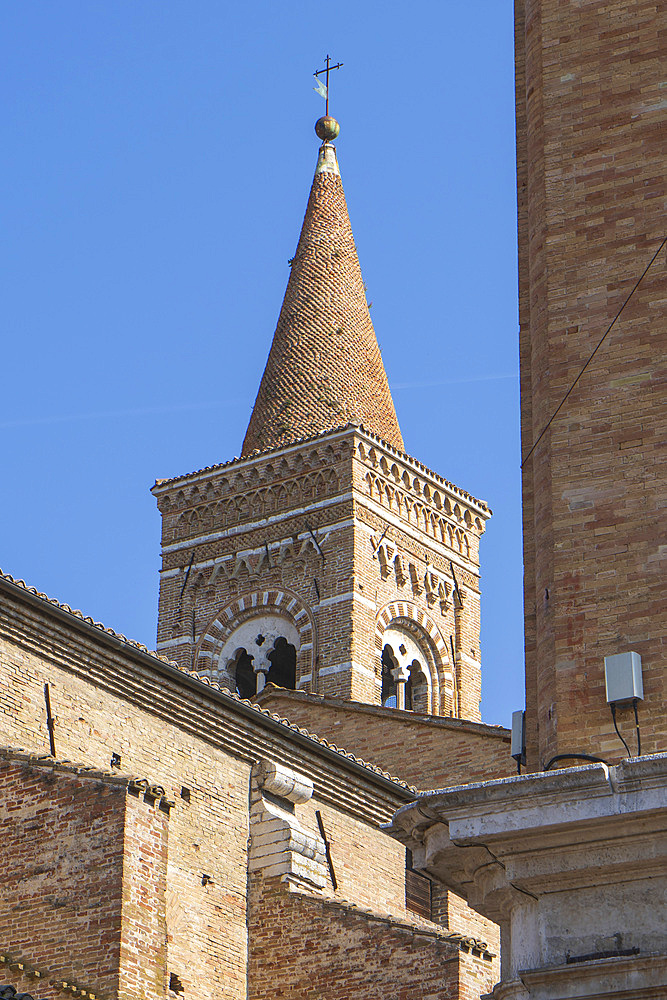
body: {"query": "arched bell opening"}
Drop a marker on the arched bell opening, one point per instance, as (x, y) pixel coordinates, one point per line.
(282, 658)
(263, 647)
(407, 670)
(242, 672)
(389, 689)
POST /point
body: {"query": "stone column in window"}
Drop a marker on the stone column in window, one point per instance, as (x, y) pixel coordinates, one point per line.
(261, 666)
(401, 673)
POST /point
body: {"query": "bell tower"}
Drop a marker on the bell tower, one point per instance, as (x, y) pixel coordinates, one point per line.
(325, 558)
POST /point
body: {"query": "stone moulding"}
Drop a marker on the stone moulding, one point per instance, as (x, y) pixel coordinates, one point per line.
(279, 845)
(569, 863)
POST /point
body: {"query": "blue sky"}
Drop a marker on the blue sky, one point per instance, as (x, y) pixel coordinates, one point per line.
(157, 162)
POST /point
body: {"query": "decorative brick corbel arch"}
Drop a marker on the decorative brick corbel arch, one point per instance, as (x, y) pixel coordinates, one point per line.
(281, 603)
(407, 615)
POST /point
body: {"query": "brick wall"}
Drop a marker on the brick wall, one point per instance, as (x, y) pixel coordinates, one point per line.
(207, 932)
(591, 197)
(198, 745)
(426, 752)
(339, 536)
(304, 945)
(143, 937)
(61, 857)
(83, 877)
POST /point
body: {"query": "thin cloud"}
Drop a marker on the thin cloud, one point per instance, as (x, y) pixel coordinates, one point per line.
(452, 381)
(112, 414)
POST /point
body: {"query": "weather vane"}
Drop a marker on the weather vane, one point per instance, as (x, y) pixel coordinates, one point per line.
(327, 128)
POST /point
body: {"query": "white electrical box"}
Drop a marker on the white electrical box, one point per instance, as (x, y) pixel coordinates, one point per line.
(623, 677)
(518, 734)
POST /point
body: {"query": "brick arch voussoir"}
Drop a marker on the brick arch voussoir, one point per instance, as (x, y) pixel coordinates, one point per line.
(276, 601)
(406, 610)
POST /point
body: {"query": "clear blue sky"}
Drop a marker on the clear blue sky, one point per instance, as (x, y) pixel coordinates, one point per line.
(157, 161)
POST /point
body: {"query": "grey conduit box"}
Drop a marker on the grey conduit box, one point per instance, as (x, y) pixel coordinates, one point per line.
(518, 744)
(623, 677)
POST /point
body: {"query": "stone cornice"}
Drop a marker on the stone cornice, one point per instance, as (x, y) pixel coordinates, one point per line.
(350, 431)
(497, 841)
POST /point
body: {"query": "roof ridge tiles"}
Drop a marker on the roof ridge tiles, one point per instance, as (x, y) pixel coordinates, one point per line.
(231, 696)
(84, 618)
(413, 925)
(257, 707)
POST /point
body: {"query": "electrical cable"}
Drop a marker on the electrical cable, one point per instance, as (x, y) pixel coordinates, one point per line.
(639, 739)
(613, 715)
(608, 330)
(589, 758)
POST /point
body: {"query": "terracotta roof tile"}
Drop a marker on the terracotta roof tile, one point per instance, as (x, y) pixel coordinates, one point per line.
(84, 618)
(232, 697)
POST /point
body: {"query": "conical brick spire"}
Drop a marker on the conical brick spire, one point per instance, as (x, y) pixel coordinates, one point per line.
(324, 369)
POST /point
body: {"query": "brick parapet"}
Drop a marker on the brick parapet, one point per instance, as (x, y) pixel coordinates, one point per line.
(366, 952)
(72, 838)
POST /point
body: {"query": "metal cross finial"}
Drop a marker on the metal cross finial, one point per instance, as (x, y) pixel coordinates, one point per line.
(326, 72)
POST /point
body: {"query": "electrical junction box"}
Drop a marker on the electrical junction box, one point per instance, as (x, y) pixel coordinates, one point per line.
(623, 677)
(518, 744)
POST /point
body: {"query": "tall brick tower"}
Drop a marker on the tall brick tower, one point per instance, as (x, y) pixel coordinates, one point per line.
(325, 558)
(591, 193)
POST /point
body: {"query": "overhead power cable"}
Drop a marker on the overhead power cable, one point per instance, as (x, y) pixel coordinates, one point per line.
(600, 343)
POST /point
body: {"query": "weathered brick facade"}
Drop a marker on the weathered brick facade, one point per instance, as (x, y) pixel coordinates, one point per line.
(172, 824)
(424, 750)
(591, 197)
(339, 537)
(83, 857)
(336, 952)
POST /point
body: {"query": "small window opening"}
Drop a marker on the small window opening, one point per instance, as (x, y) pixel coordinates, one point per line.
(418, 896)
(185, 793)
(175, 984)
(115, 759)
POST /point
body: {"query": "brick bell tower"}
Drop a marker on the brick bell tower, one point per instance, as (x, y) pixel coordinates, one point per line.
(325, 558)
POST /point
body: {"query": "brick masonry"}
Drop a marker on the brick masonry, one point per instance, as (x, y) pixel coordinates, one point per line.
(591, 196)
(84, 870)
(174, 889)
(334, 951)
(341, 537)
(324, 368)
(426, 751)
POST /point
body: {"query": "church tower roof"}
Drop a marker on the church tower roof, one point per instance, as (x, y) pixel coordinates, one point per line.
(324, 368)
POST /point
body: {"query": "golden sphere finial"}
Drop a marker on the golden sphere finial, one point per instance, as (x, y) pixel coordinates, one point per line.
(327, 128)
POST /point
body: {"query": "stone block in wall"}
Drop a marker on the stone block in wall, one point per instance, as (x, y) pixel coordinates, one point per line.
(279, 844)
